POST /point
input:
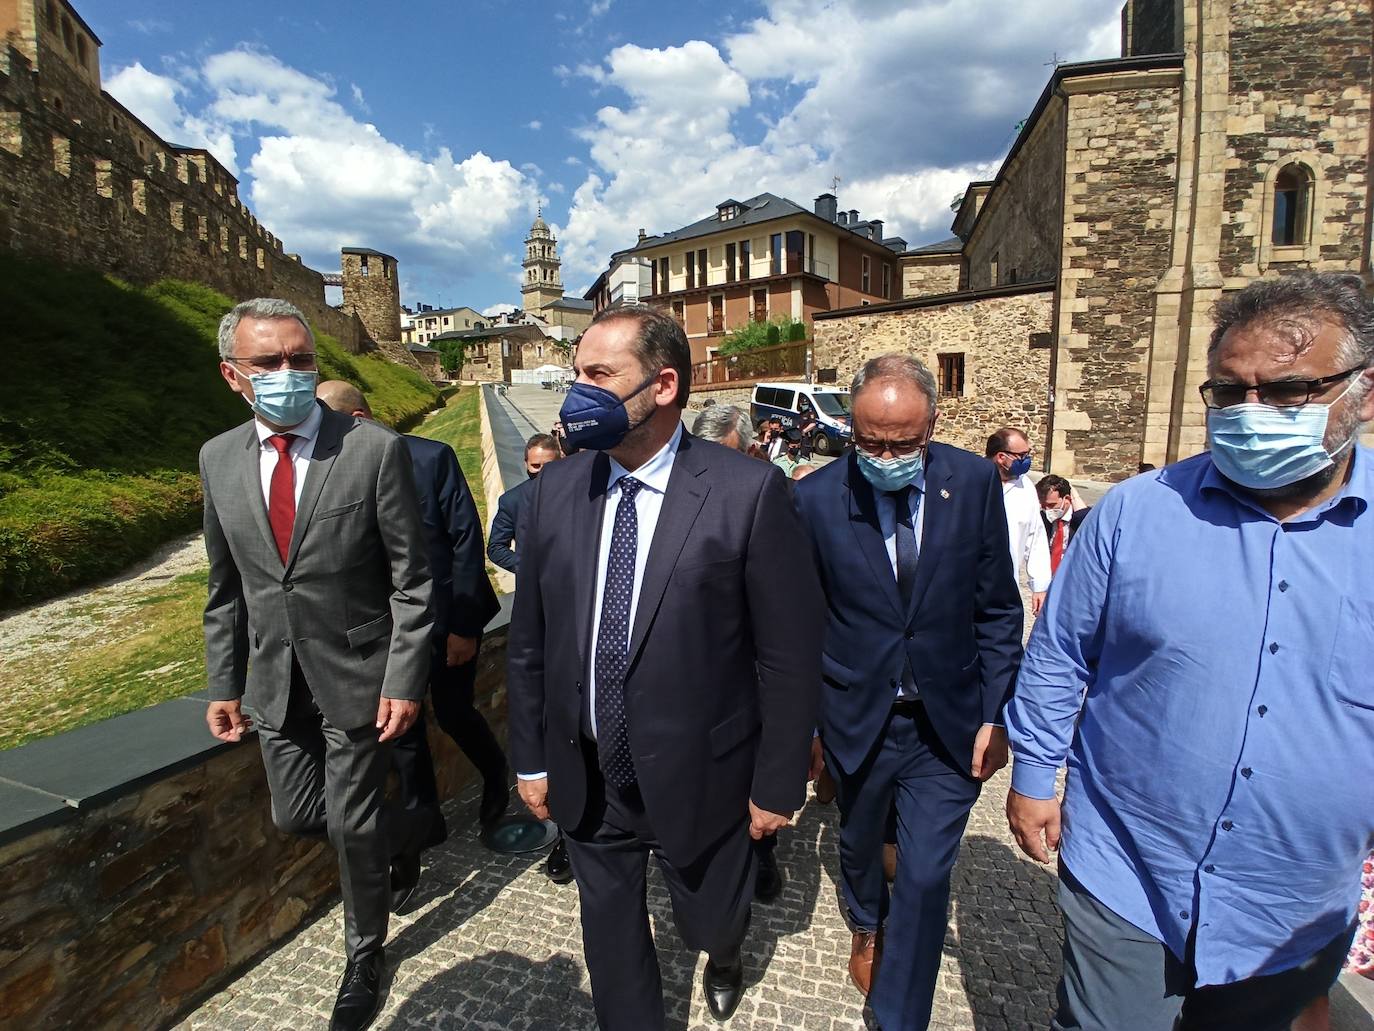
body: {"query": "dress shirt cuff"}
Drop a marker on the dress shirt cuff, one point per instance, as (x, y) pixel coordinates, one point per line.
(531, 776)
(999, 724)
(1032, 779)
(1039, 586)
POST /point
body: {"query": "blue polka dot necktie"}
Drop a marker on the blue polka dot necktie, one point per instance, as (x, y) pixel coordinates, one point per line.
(613, 641)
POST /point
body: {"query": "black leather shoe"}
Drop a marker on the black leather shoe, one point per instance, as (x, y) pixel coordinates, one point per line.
(768, 884)
(495, 794)
(724, 987)
(558, 866)
(360, 994)
(405, 879)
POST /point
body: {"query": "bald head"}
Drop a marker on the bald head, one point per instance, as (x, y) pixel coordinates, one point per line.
(344, 397)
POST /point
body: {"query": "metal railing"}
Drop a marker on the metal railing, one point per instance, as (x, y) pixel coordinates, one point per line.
(762, 363)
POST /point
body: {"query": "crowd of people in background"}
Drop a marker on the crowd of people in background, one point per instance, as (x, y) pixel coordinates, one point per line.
(696, 636)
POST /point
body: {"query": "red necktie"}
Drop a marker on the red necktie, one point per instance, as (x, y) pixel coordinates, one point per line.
(281, 497)
(1057, 546)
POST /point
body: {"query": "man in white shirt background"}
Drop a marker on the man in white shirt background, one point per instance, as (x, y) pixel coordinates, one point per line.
(1009, 449)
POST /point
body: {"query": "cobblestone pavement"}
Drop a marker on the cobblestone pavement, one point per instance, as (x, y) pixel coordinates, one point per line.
(495, 947)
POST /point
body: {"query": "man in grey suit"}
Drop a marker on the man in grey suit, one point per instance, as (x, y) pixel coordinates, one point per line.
(318, 617)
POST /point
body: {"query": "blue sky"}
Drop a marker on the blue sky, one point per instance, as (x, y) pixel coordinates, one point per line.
(431, 130)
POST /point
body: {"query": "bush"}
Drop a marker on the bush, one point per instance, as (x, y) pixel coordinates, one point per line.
(753, 335)
(108, 393)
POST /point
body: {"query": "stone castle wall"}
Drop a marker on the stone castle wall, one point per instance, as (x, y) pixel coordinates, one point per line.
(130, 913)
(1019, 224)
(1122, 142)
(87, 185)
(925, 276)
(1004, 341)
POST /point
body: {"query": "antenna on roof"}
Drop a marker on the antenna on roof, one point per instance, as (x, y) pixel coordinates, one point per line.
(835, 181)
(1055, 61)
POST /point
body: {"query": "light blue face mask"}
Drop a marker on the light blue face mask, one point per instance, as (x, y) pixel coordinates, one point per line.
(1263, 448)
(283, 398)
(887, 474)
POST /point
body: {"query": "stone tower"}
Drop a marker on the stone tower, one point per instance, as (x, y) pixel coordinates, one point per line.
(543, 284)
(372, 291)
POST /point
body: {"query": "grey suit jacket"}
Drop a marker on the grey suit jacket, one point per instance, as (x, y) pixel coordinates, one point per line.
(352, 601)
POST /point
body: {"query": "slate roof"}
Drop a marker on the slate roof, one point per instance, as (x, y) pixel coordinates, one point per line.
(951, 246)
(573, 303)
(366, 250)
(766, 207)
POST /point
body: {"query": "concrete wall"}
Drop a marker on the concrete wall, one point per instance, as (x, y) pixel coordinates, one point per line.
(1005, 376)
(138, 907)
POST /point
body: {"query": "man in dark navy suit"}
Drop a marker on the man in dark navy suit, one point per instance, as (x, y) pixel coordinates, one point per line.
(464, 602)
(663, 665)
(921, 651)
(540, 450)
(1057, 513)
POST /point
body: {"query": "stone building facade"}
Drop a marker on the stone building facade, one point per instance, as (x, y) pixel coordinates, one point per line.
(85, 182)
(1231, 141)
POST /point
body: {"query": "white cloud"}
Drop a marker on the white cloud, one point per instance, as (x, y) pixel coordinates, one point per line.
(906, 101)
(535, 125)
(358, 100)
(598, 7)
(322, 179)
(499, 309)
(156, 100)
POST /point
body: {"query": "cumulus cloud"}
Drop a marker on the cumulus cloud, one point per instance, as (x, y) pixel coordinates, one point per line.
(322, 179)
(499, 309)
(535, 125)
(905, 101)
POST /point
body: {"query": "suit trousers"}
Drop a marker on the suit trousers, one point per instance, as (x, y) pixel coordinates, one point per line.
(1117, 976)
(910, 770)
(451, 693)
(609, 852)
(329, 781)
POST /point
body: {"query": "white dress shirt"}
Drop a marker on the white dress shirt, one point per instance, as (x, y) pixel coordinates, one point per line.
(1029, 544)
(301, 450)
(654, 475)
(887, 525)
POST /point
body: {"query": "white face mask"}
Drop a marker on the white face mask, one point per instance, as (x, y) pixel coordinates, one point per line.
(1054, 515)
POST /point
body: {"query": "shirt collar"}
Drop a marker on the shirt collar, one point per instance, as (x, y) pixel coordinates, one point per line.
(305, 431)
(1357, 490)
(655, 472)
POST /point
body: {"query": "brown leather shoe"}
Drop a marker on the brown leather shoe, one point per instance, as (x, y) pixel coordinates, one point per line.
(862, 954)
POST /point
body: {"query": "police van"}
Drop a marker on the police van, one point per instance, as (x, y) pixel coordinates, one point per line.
(827, 407)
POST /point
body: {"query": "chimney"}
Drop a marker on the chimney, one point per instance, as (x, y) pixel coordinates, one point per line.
(876, 226)
(853, 217)
(825, 206)
(842, 218)
(643, 236)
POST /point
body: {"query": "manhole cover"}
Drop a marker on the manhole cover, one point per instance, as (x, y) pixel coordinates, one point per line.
(512, 834)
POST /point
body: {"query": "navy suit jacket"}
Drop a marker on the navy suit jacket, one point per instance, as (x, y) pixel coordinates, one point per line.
(724, 654)
(503, 527)
(464, 601)
(962, 630)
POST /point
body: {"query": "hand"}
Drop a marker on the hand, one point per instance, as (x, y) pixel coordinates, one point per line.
(1037, 602)
(989, 751)
(763, 823)
(535, 795)
(1029, 818)
(395, 716)
(226, 721)
(817, 759)
(460, 650)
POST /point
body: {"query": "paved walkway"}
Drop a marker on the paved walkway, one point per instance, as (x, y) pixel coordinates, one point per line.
(495, 947)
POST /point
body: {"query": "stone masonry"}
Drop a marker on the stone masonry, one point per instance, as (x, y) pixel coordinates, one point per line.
(1003, 340)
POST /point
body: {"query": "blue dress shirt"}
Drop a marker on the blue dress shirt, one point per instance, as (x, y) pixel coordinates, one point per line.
(1208, 672)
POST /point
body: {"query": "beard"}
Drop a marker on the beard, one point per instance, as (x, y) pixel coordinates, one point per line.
(640, 410)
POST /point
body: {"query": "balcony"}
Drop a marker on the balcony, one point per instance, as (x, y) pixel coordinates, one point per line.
(781, 361)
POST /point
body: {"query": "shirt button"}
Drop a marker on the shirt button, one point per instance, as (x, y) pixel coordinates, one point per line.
(1183, 914)
(1246, 772)
(288, 586)
(285, 642)
(1283, 585)
(1262, 709)
(1273, 647)
(1209, 868)
(1226, 825)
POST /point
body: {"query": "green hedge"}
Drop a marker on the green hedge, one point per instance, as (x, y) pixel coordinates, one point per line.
(108, 393)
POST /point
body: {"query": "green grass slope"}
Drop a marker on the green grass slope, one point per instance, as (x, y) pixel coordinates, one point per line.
(107, 393)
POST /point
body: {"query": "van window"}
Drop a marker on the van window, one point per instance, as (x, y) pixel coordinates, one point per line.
(764, 395)
(832, 404)
(784, 398)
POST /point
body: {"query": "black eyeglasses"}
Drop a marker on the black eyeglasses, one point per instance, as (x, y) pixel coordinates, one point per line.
(301, 361)
(1280, 393)
(1018, 455)
(895, 448)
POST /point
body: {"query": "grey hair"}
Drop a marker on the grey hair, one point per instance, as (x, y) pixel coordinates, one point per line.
(716, 422)
(1292, 303)
(257, 308)
(900, 367)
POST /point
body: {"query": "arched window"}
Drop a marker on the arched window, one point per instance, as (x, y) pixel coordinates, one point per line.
(1292, 206)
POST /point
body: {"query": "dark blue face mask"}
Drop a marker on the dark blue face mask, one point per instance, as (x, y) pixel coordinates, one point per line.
(1020, 466)
(596, 419)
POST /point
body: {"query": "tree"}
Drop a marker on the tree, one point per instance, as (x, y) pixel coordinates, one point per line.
(452, 355)
(753, 335)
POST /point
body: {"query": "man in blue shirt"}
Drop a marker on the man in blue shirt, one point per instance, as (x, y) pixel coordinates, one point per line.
(1203, 666)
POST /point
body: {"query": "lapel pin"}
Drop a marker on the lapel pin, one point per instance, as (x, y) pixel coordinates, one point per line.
(944, 494)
